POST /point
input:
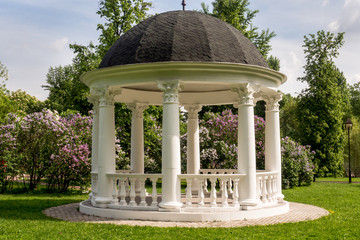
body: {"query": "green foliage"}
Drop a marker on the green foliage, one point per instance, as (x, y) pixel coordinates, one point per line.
(25, 103)
(274, 63)
(355, 99)
(238, 14)
(120, 16)
(354, 149)
(296, 164)
(3, 75)
(66, 91)
(289, 125)
(323, 104)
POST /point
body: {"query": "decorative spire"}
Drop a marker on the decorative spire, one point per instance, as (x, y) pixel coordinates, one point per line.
(183, 4)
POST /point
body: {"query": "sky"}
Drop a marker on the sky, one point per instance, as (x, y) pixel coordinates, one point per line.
(35, 34)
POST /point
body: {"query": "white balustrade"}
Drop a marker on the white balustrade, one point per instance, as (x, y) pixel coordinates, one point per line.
(267, 188)
(219, 192)
(219, 171)
(223, 192)
(125, 196)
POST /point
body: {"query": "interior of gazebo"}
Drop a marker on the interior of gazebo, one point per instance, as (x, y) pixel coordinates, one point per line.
(194, 67)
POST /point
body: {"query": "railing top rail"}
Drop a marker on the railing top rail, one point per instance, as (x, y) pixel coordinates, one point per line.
(135, 175)
(203, 176)
(124, 171)
(217, 170)
(266, 173)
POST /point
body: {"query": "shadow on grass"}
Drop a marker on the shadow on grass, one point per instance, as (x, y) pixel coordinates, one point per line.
(29, 209)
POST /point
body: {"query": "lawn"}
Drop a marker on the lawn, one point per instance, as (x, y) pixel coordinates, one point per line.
(21, 218)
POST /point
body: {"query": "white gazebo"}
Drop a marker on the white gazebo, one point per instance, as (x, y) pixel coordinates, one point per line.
(189, 59)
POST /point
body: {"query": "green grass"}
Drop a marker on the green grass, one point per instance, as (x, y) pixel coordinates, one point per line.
(338, 179)
(21, 218)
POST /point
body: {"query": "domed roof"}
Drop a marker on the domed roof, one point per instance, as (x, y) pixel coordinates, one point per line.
(183, 36)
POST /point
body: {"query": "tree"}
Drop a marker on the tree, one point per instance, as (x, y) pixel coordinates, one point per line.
(3, 75)
(355, 99)
(288, 109)
(323, 104)
(238, 14)
(66, 91)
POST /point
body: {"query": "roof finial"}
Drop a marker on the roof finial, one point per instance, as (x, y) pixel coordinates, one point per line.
(183, 4)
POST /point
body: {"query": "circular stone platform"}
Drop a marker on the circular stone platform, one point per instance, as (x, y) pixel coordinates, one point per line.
(298, 212)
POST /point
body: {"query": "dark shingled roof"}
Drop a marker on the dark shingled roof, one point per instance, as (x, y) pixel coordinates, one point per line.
(182, 36)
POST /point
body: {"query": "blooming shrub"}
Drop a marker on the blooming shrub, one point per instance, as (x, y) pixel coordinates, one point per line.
(218, 140)
(218, 144)
(71, 163)
(297, 164)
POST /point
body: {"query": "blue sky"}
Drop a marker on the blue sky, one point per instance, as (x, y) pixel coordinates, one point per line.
(35, 34)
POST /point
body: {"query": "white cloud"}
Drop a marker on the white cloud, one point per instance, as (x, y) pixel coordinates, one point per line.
(334, 26)
(325, 3)
(60, 44)
(350, 18)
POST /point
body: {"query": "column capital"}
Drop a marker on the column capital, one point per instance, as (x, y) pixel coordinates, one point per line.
(94, 100)
(193, 111)
(170, 90)
(272, 101)
(105, 95)
(245, 93)
(137, 109)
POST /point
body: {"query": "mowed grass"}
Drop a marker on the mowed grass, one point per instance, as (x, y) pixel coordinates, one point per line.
(21, 218)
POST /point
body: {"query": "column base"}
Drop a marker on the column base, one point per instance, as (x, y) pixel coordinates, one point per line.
(280, 198)
(102, 202)
(170, 206)
(250, 204)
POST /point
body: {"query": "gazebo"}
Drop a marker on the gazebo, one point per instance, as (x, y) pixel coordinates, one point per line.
(184, 59)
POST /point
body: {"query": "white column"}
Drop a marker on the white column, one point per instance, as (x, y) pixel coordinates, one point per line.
(137, 139)
(246, 147)
(193, 144)
(171, 165)
(95, 141)
(272, 139)
(106, 153)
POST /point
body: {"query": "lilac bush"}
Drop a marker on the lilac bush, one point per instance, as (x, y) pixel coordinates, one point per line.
(218, 144)
(218, 140)
(71, 164)
(43, 145)
(297, 164)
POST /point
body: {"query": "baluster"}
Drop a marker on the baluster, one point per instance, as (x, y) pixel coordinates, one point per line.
(188, 192)
(213, 192)
(258, 187)
(154, 192)
(264, 190)
(142, 192)
(225, 194)
(230, 186)
(269, 189)
(235, 194)
(114, 200)
(122, 192)
(201, 193)
(206, 186)
(273, 183)
(132, 202)
(127, 186)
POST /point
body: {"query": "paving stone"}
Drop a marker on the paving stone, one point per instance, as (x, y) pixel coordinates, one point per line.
(298, 212)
